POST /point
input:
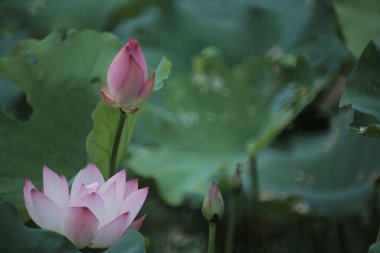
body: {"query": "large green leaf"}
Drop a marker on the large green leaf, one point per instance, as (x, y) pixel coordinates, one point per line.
(212, 115)
(60, 77)
(363, 92)
(331, 169)
(100, 141)
(17, 238)
(360, 22)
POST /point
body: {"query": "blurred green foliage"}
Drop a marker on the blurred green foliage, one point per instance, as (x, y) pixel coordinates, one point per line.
(247, 74)
(362, 92)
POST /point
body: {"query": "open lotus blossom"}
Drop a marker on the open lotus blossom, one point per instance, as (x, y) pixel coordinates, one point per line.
(95, 214)
(127, 78)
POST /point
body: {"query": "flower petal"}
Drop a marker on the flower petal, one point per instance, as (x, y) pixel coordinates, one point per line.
(147, 89)
(112, 206)
(107, 96)
(133, 83)
(135, 51)
(50, 217)
(83, 191)
(120, 180)
(55, 188)
(117, 72)
(94, 202)
(111, 232)
(90, 174)
(28, 187)
(134, 202)
(136, 225)
(81, 226)
(131, 186)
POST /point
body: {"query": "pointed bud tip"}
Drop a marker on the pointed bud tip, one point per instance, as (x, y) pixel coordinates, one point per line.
(132, 44)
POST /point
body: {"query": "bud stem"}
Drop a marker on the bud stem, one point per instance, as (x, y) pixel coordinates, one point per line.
(211, 237)
(116, 142)
(255, 179)
(231, 223)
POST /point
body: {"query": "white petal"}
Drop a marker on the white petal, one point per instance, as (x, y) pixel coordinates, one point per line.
(28, 187)
(95, 203)
(89, 175)
(111, 232)
(81, 226)
(134, 202)
(120, 180)
(131, 186)
(112, 207)
(136, 225)
(55, 188)
(82, 192)
(50, 217)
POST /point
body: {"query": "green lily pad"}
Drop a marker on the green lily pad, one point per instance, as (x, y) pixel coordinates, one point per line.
(60, 78)
(216, 117)
(331, 169)
(363, 92)
(17, 238)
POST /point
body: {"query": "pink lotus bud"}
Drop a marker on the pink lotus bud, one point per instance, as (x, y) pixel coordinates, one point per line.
(128, 84)
(213, 205)
(95, 214)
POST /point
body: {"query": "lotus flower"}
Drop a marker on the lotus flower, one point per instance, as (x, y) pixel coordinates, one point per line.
(95, 214)
(127, 78)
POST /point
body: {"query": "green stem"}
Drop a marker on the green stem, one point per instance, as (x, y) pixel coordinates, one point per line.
(231, 223)
(211, 237)
(255, 179)
(116, 143)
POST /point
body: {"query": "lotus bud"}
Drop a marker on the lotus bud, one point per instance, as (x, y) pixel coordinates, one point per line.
(127, 79)
(213, 206)
(236, 182)
(94, 214)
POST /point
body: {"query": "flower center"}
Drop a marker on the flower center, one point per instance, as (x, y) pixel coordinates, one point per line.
(94, 187)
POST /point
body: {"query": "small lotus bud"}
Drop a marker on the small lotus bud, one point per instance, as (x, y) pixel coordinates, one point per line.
(213, 206)
(236, 182)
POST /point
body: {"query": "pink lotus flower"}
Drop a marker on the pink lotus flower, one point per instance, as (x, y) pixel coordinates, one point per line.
(95, 214)
(128, 84)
